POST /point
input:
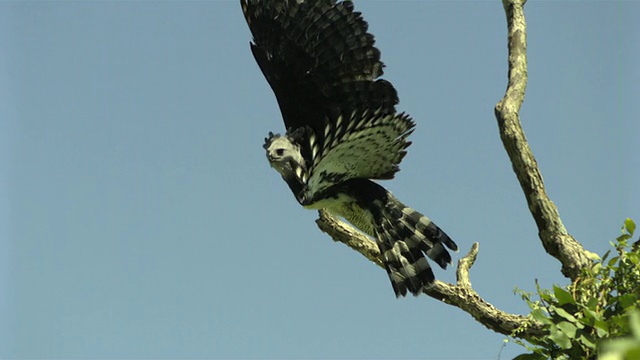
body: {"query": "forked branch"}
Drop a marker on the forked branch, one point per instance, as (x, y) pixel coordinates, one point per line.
(460, 295)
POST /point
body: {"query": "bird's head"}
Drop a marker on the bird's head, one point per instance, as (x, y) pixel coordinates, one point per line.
(284, 154)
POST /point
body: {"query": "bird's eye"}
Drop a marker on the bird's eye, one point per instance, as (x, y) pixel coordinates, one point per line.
(279, 152)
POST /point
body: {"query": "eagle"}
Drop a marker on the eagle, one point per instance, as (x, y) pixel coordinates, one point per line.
(342, 129)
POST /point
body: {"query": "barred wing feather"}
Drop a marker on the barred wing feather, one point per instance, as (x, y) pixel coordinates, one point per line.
(362, 145)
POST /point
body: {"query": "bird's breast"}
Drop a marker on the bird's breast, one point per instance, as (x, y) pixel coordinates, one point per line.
(349, 208)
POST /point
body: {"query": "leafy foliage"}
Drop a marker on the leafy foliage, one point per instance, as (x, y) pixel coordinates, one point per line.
(601, 304)
(624, 348)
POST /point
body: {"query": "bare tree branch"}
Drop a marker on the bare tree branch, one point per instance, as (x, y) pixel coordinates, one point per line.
(461, 295)
(555, 238)
(342, 232)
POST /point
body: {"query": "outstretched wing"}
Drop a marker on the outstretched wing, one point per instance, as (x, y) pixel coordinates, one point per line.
(360, 145)
(323, 68)
(318, 58)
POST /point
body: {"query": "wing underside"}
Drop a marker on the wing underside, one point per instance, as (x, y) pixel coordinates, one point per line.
(366, 145)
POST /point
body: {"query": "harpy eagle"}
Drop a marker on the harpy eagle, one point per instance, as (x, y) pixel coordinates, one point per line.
(342, 128)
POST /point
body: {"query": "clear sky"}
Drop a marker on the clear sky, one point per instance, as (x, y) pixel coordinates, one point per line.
(139, 217)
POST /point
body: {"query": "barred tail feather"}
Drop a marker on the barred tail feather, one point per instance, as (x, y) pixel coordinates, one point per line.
(428, 236)
(405, 263)
(404, 237)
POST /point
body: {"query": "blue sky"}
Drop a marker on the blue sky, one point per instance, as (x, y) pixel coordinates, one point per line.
(139, 217)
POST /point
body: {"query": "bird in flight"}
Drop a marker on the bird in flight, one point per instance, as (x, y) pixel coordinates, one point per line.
(342, 129)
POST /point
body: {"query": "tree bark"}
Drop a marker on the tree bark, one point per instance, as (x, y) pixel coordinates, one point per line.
(556, 241)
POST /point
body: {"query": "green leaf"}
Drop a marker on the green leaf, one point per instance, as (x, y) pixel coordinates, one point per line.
(628, 300)
(587, 342)
(597, 267)
(558, 337)
(619, 321)
(563, 296)
(532, 356)
(589, 317)
(602, 328)
(562, 312)
(541, 316)
(568, 328)
(622, 239)
(546, 296)
(612, 261)
(592, 305)
(630, 226)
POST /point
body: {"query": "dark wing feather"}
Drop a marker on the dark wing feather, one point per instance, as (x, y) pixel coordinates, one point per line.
(318, 58)
(361, 145)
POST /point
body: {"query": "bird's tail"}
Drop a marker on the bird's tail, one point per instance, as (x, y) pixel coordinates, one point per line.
(404, 237)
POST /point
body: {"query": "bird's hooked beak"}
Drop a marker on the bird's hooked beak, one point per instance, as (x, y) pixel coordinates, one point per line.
(280, 165)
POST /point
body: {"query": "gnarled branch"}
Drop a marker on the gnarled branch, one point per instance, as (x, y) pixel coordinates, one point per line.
(555, 238)
(460, 295)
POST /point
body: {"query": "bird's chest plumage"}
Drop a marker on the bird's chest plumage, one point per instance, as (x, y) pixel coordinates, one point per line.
(348, 207)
